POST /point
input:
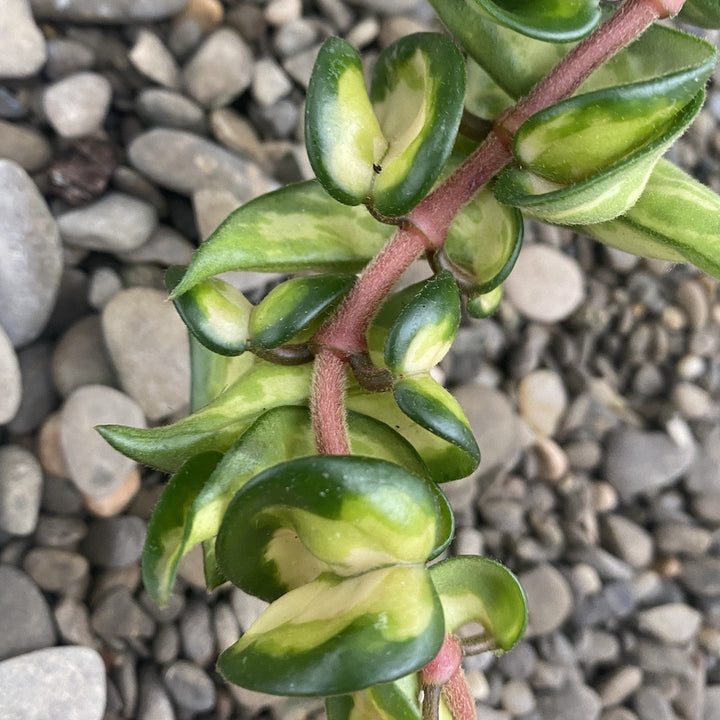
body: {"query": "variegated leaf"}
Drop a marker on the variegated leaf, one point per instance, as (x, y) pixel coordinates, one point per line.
(215, 312)
(162, 551)
(598, 198)
(336, 636)
(423, 332)
(343, 515)
(483, 305)
(299, 227)
(217, 425)
(474, 589)
(392, 701)
(676, 218)
(293, 305)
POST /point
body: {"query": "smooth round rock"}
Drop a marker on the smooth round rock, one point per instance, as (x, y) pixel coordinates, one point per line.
(24, 145)
(627, 540)
(56, 570)
(150, 57)
(31, 256)
(190, 686)
(148, 344)
(220, 70)
(542, 399)
(95, 467)
(166, 108)
(570, 702)
(674, 623)
(118, 615)
(25, 619)
(21, 482)
(184, 163)
(549, 597)
(545, 284)
(77, 105)
(23, 45)
(11, 379)
(115, 223)
(110, 11)
(38, 392)
(61, 682)
(114, 542)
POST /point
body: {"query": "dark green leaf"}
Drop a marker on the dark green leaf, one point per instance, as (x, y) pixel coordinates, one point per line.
(391, 701)
(483, 305)
(705, 13)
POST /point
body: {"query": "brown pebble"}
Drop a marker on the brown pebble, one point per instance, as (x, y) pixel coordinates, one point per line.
(116, 501)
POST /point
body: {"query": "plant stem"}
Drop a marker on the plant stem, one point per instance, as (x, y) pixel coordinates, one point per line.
(431, 702)
(344, 334)
(327, 404)
(458, 697)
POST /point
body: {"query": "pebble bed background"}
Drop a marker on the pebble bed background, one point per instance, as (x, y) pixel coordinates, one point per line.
(128, 130)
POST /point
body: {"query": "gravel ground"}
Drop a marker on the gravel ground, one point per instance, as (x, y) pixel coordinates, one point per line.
(128, 130)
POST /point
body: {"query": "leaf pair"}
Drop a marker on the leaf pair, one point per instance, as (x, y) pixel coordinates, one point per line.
(385, 149)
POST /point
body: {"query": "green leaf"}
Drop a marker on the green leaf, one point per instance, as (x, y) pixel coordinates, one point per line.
(514, 61)
(600, 197)
(676, 218)
(484, 97)
(215, 312)
(299, 227)
(163, 543)
(293, 305)
(335, 636)
(422, 334)
(282, 434)
(391, 701)
(217, 425)
(445, 460)
(551, 20)
(581, 136)
(479, 590)
(483, 305)
(343, 515)
(705, 13)
(417, 91)
(342, 134)
(431, 406)
(213, 575)
(387, 154)
(484, 241)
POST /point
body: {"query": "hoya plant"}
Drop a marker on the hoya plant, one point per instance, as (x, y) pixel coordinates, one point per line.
(311, 466)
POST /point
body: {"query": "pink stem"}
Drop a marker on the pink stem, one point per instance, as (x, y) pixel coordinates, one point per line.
(458, 697)
(327, 404)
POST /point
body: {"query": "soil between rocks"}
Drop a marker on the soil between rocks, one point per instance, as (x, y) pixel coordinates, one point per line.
(127, 132)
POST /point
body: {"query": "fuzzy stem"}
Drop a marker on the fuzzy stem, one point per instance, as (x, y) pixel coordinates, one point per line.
(327, 404)
(458, 697)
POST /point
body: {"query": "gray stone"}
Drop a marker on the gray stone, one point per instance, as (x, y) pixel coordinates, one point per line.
(32, 256)
(650, 704)
(549, 598)
(166, 108)
(190, 686)
(300, 66)
(24, 145)
(58, 571)
(22, 43)
(639, 462)
(21, 481)
(702, 576)
(712, 703)
(118, 615)
(153, 700)
(704, 474)
(184, 163)
(150, 57)
(545, 285)
(110, 11)
(661, 659)
(25, 620)
(73, 622)
(520, 663)
(61, 682)
(270, 83)
(674, 623)
(116, 222)
(225, 626)
(166, 246)
(11, 379)
(148, 345)
(166, 644)
(619, 685)
(628, 540)
(294, 37)
(95, 467)
(196, 633)
(67, 56)
(114, 542)
(517, 697)
(76, 105)
(220, 70)
(105, 284)
(38, 398)
(571, 702)
(80, 357)
(60, 532)
(61, 496)
(675, 538)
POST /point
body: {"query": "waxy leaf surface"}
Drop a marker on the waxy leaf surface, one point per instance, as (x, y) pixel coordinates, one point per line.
(291, 306)
(676, 218)
(479, 590)
(483, 305)
(343, 515)
(217, 425)
(385, 149)
(423, 332)
(162, 552)
(484, 241)
(705, 13)
(335, 636)
(215, 312)
(299, 227)
(391, 701)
